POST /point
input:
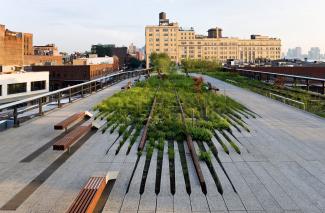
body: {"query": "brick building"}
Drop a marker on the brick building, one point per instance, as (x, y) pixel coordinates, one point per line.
(67, 75)
(16, 49)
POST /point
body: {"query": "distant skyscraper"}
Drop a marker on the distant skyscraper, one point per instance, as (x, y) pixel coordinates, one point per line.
(314, 53)
(295, 53)
(132, 49)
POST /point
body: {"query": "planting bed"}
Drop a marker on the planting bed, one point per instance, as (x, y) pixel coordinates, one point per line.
(175, 108)
(315, 103)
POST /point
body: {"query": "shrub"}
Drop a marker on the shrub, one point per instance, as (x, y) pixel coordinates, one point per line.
(205, 156)
(200, 134)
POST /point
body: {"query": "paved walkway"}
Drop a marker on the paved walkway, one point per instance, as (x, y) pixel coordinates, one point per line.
(281, 167)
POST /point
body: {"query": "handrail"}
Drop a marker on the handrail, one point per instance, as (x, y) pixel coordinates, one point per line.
(279, 74)
(285, 98)
(5, 106)
(12, 109)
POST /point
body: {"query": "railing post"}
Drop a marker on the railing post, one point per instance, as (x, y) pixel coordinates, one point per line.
(59, 100)
(90, 88)
(15, 115)
(323, 90)
(307, 83)
(82, 91)
(295, 81)
(40, 107)
(70, 101)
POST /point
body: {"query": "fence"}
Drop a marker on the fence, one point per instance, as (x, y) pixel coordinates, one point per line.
(293, 78)
(11, 111)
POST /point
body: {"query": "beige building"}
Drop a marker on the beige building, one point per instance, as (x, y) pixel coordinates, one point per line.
(181, 44)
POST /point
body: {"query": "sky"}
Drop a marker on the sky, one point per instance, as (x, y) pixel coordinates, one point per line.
(74, 25)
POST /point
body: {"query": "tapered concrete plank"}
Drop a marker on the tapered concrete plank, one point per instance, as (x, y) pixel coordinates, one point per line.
(248, 198)
(198, 200)
(182, 201)
(165, 201)
(148, 198)
(132, 198)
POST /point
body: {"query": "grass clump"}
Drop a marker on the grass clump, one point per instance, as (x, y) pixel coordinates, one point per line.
(205, 156)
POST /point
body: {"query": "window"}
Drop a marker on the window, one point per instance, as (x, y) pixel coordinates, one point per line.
(165, 30)
(16, 88)
(38, 85)
(0, 90)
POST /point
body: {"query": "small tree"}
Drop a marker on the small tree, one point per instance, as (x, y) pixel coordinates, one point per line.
(160, 62)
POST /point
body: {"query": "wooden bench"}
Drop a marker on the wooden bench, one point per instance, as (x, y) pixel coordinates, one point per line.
(69, 121)
(89, 195)
(72, 137)
(212, 88)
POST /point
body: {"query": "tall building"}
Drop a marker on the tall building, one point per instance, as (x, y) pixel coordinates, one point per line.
(181, 44)
(16, 49)
(295, 53)
(314, 53)
(132, 50)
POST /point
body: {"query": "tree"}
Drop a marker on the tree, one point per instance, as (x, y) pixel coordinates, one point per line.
(134, 63)
(160, 62)
(200, 65)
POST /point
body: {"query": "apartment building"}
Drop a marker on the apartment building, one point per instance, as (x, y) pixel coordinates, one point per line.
(16, 49)
(180, 43)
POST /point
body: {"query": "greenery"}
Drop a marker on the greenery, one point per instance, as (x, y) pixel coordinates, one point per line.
(205, 156)
(200, 65)
(161, 62)
(134, 63)
(205, 112)
(315, 103)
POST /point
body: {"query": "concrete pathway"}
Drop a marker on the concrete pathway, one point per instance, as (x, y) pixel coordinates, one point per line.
(281, 167)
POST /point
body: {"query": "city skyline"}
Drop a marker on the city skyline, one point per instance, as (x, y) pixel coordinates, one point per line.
(73, 28)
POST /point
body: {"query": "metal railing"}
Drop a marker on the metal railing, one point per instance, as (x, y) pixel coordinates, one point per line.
(258, 74)
(56, 99)
(286, 100)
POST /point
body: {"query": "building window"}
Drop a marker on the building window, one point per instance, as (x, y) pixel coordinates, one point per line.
(17, 88)
(0, 90)
(38, 85)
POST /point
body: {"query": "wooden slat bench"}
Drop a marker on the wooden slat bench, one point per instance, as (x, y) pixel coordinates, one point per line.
(88, 197)
(90, 194)
(69, 121)
(73, 136)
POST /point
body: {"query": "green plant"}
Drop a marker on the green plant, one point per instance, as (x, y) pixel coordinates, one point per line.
(205, 156)
(171, 154)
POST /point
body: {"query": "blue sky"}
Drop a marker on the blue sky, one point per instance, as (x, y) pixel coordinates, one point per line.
(76, 24)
